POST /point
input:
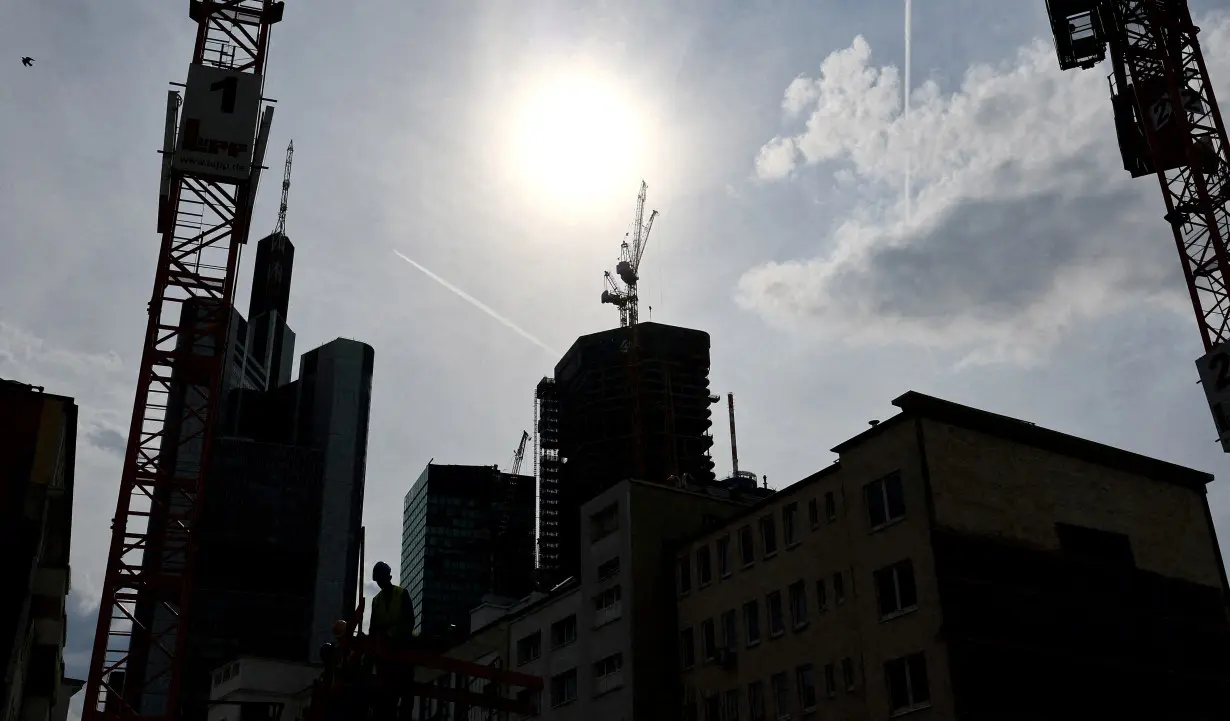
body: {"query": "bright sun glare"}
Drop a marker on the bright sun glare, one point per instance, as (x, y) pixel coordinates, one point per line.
(577, 139)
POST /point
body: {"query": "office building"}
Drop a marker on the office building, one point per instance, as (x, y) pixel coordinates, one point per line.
(288, 464)
(599, 657)
(37, 456)
(547, 468)
(467, 533)
(633, 403)
(334, 406)
(957, 564)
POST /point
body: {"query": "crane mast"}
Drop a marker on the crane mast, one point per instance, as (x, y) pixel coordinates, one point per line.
(1168, 125)
(213, 148)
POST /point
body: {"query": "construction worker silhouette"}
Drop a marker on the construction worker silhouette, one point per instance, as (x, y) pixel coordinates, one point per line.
(393, 625)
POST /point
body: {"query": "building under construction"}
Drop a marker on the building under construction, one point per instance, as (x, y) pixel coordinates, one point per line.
(631, 402)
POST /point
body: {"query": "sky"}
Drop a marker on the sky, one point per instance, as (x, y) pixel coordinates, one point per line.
(499, 147)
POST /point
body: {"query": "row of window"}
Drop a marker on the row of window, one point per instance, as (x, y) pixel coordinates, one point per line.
(884, 499)
(563, 632)
(896, 593)
(906, 683)
(606, 673)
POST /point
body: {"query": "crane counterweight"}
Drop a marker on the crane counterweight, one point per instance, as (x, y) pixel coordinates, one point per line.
(1168, 125)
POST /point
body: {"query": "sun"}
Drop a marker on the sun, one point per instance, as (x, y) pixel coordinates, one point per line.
(576, 138)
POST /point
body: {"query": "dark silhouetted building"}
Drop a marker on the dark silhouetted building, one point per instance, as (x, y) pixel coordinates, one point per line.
(467, 532)
(632, 403)
(278, 537)
(37, 456)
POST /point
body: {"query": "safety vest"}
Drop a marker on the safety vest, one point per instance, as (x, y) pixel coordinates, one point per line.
(387, 613)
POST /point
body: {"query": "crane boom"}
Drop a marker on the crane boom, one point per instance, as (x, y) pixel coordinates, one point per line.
(519, 456)
(1168, 125)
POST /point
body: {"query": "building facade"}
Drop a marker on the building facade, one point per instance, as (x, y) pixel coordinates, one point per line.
(603, 641)
(957, 564)
(334, 407)
(37, 457)
(467, 532)
(288, 464)
(633, 403)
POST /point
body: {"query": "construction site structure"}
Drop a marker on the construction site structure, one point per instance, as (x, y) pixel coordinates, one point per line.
(1168, 125)
(213, 148)
(622, 293)
(547, 468)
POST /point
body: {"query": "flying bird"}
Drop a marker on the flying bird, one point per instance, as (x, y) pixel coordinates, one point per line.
(27, 61)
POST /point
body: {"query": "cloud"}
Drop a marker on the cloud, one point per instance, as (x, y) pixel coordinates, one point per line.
(1024, 222)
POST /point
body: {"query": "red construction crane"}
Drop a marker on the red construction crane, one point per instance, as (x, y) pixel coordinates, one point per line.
(1157, 67)
(212, 155)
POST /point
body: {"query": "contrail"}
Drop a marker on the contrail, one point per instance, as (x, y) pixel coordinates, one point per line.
(478, 304)
(909, 149)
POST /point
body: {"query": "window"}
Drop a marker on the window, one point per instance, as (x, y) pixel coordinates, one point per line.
(755, 701)
(604, 522)
(564, 687)
(895, 588)
(751, 622)
(813, 513)
(730, 630)
(704, 574)
(529, 648)
(805, 677)
(781, 694)
(713, 708)
(607, 598)
(563, 632)
(777, 621)
(687, 648)
(732, 705)
(822, 596)
(885, 500)
(723, 556)
(839, 588)
(609, 665)
(790, 529)
(847, 673)
(609, 569)
(689, 704)
(798, 604)
(830, 507)
(830, 681)
(747, 553)
(907, 683)
(534, 698)
(768, 535)
(685, 575)
(709, 638)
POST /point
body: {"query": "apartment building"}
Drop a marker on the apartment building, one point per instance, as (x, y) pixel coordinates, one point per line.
(38, 446)
(597, 657)
(958, 564)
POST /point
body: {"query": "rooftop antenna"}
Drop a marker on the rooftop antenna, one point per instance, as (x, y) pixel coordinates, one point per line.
(281, 227)
(734, 447)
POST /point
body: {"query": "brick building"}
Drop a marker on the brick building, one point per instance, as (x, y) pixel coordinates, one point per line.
(961, 565)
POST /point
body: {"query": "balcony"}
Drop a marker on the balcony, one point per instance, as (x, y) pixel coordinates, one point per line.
(609, 682)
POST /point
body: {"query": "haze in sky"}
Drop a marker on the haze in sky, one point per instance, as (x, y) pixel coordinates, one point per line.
(501, 146)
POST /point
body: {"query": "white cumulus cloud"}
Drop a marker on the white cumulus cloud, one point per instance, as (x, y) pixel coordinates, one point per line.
(1024, 223)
